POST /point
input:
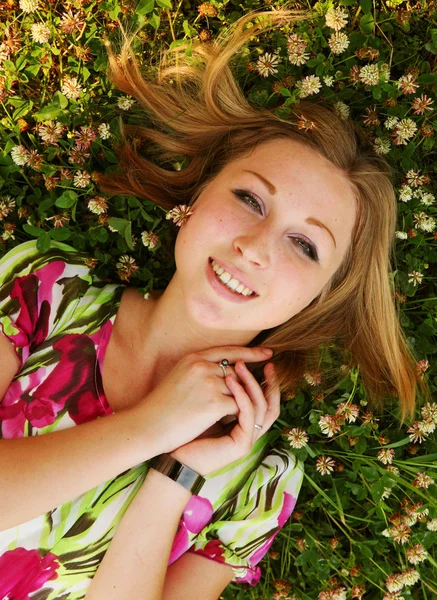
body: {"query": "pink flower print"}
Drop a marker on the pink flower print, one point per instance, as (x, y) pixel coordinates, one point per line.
(197, 514)
(287, 508)
(71, 383)
(25, 571)
(34, 295)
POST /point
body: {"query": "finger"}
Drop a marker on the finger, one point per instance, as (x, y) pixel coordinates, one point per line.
(256, 394)
(233, 353)
(243, 431)
(272, 395)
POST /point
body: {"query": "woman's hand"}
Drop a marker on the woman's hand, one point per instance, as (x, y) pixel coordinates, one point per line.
(208, 454)
(192, 397)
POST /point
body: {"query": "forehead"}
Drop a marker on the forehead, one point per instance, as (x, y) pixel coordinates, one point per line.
(298, 172)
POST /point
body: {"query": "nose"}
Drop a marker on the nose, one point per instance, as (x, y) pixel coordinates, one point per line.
(254, 247)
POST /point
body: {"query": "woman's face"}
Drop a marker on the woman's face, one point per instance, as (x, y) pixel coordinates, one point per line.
(283, 218)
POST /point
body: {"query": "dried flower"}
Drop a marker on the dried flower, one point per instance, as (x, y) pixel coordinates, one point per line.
(428, 410)
(416, 279)
(386, 455)
(394, 583)
(306, 124)
(349, 411)
(406, 84)
(7, 205)
(325, 465)
(410, 577)
(420, 105)
(297, 437)
(70, 88)
(149, 239)
(358, 592)
(401, 533)
(267, 63)
(81, 179)
(180, 214)
(207, 10)
(423, 480)
(329, 425)
(302, 544)
(313, 379)
(126, 267)
(50, 132)
(59, 220)
(416, 554)
(71, 22)
(98, 205)
(85, 137)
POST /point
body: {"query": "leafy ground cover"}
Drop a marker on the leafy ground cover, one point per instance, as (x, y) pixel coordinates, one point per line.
(366, 518)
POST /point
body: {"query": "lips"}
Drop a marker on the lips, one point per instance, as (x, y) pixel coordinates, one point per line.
(235, 274)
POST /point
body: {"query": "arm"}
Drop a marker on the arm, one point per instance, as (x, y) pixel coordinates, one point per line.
(48, 470)
(135, 564)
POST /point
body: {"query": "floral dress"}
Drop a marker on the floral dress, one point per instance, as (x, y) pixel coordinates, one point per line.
(59, 317)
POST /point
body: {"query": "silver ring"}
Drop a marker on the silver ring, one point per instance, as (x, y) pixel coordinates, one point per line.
(259, 427)
(223, 364)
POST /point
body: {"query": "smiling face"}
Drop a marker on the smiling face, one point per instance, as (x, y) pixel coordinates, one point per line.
(282, 217)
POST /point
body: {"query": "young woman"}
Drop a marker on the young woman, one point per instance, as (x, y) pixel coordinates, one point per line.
(182, 490)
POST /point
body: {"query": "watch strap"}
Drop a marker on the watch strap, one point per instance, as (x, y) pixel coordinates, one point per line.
(186, 477)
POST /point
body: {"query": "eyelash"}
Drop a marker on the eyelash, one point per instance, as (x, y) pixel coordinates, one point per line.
(311, 254)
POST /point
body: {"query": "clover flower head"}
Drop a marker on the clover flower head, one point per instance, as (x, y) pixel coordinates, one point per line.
(267, 63)
(40, 33)
(29, 6)
(336, 18)
(369, 74)
(382, 146)
(149, 239)
(338, 42)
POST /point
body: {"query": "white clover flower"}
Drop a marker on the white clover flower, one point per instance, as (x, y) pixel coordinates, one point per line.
(104, 131)
(20, 155)
(405, 129)
(424, 222)
(149, 239)
(329, 80)
(70, 88)
(416, 554)
(426, 198)
(296, 46)
(338, 42)
(125, 102)
(297, 437)
(432, 525)
(429, 411)
(401, 235)
(308, 86)
(405, 193)
(410, 576)
(81, 179)
(369, 74)
(391, 122)
(267, 63)
(29, 6)
(336, 18)
(342, 110)
(97, 205)
(416, 279)
(382, 146)
(40, 33)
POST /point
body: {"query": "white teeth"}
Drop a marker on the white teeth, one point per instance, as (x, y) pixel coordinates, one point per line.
(230, 282)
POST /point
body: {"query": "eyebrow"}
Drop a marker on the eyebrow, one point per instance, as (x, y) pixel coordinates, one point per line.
(272, 190)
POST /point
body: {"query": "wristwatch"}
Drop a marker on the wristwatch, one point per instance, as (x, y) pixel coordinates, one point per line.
(185, 476)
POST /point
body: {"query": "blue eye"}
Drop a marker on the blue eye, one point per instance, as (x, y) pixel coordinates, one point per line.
(305, 247)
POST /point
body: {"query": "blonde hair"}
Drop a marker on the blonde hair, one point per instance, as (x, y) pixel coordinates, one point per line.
(197, 111)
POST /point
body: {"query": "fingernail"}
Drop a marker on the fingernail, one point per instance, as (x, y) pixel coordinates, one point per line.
(267, 351)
